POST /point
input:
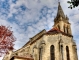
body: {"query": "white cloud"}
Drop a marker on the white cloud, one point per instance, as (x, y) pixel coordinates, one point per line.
(31, 19)
(33, 6)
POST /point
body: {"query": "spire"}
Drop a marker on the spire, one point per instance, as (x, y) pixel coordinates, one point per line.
(61, 21)
(67, 18)
(60, 11)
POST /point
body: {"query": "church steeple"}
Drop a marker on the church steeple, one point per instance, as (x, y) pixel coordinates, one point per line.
(61, 21)
(60, 11)
(60, 14)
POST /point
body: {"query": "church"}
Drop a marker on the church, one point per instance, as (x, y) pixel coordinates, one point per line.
(55, 44)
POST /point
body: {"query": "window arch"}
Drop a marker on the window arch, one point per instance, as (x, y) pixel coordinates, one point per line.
(52, 54)
(67, 53)
(62, 52)
(12, 58)
(40, 53)
(41, 49)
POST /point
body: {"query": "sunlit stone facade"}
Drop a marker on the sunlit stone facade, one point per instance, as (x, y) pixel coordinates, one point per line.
(55, 44)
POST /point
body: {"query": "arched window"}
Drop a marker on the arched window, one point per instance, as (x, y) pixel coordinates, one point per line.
(41, 49)
(67, 53)
(12, 58)
(40, 53)
(52, 54)
(62, 52)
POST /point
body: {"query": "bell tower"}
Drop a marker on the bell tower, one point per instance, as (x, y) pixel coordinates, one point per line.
(63, 47)
(61, 21)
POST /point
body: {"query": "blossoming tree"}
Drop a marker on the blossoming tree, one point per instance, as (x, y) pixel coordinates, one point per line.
(6, 40)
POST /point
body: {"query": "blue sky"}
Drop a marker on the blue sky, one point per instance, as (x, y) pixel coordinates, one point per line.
(28, 17)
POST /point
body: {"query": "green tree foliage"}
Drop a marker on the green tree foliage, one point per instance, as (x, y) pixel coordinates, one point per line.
(73, 3)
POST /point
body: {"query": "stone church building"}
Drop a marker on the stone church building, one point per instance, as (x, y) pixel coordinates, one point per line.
(55, 44)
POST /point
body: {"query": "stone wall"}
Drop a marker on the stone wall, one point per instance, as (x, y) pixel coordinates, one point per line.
(45, 43)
